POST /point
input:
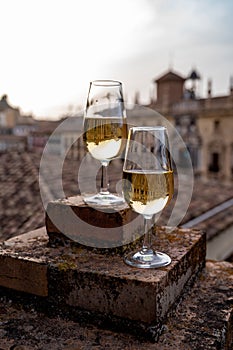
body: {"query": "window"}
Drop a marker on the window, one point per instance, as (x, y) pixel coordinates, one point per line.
(214, 165)
(216, 125)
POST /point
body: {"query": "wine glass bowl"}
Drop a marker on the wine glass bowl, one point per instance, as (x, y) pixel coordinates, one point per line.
(148, 186)
(105, 132)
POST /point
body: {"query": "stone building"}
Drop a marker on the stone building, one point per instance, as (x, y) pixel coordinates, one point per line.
(59, 137)
(205, 124)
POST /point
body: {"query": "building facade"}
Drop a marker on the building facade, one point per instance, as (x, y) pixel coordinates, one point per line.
(205, 124)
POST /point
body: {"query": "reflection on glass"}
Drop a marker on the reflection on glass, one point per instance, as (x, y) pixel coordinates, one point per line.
(105, 132)
(147, 186)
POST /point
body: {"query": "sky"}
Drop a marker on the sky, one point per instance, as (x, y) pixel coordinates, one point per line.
(52, 49)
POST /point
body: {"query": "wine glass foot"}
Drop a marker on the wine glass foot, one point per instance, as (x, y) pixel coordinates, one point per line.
(104, 200)
(147, 259)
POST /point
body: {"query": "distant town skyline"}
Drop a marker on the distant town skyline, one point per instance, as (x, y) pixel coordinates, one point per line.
(52, 49)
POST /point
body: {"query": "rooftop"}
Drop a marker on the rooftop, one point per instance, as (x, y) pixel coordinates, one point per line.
(4, 103)
(91, 307)
(169, 76)
(21, 209)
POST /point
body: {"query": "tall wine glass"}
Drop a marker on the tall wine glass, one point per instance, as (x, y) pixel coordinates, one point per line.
(147, 186)
(105, 133)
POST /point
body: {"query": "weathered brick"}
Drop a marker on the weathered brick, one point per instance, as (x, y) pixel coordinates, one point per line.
(23, 274)
(72, 220)
(83, 279)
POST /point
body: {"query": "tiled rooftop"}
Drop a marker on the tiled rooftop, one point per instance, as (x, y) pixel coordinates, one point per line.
(21, 209)
(207, 195)
(20, 205)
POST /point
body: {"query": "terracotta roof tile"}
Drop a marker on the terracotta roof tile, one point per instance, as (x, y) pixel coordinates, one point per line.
(21, 208)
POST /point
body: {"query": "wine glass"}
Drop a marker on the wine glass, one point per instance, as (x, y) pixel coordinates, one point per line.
(148, 186)
(105, 133)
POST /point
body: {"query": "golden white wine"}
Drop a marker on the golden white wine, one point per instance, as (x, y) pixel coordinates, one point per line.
(148, 192)
(105, 137)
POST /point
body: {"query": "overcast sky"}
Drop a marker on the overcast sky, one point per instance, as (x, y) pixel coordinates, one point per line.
(51, 49)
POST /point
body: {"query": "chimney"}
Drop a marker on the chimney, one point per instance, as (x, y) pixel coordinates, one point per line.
(209, 91)
(231, 85)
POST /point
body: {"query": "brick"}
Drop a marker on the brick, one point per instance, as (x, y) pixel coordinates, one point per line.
(201, 320)
(105, 284)
(21, 268)
(71, 219)
(23, 275)
(81, 279)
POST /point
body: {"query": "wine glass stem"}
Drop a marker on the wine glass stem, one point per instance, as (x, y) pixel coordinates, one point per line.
(147, 238)
(104, 186)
